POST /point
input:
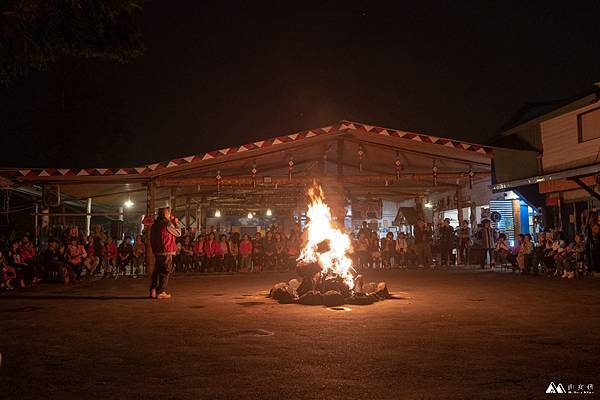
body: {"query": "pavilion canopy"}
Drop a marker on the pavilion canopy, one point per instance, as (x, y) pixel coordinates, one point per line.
(361, 158)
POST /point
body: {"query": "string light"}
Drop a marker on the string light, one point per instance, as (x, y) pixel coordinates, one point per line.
(217, 213)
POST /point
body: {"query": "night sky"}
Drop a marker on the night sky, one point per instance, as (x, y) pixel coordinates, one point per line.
(217, 74)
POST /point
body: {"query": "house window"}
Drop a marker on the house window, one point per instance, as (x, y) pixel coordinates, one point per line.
(589, 125)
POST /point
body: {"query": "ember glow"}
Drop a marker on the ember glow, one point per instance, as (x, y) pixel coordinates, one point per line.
(320, 228)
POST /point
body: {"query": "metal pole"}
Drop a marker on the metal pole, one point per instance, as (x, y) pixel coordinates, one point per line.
(460, 217)
(187, 212)
(88, 218)
(36, 224)
(198, 217)
(151, 207)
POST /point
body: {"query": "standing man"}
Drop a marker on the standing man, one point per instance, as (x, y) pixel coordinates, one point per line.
(488, 242)
(422, 249)
(446, 243)
(162, 238)
(464, 242)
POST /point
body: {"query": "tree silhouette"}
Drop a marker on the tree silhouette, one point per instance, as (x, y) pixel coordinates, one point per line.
(36, 33)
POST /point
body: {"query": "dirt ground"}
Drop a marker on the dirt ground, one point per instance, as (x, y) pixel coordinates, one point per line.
(448, 335)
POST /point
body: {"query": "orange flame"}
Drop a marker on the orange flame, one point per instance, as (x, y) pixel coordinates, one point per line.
(321, 228)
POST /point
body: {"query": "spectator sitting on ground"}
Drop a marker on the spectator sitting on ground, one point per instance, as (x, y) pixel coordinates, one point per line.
(125, 255)
(139, 251)
(15, 260)
(212, 251)
(52, 260)
(593, 249)
(28, 256)
(514, 252)
(110, 256)
(502, 249)
(72, 233)
(93, 260)
(568, 259)
(257, 252)
(246, 254)
(198, 250)
(526, 255)
(186, 255)
(9, 274)
(75, 257)
(292, 249)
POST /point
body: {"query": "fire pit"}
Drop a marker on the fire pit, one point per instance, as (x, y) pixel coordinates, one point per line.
(326, 272)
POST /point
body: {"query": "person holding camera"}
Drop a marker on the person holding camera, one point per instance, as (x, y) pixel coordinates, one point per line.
(162, 239)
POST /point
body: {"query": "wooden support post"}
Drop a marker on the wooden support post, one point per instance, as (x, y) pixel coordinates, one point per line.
(340, 158)
(88, 218)
(460, 217)
(36, 232)
(198, 218)
(187, 212)
(173, 200)
(150, 212)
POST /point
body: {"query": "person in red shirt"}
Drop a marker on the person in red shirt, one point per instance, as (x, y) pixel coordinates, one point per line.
(27, 250)
(93, 260)
(125, 256)
(187, 254)
(139, 249)
(75, 256)
(198, 250)
(110, 256)
(212, 253)
(162, 239)
(246, 254)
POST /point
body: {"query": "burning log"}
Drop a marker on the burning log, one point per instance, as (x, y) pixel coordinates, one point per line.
(333, 298)
(311, 298)
(284, 293)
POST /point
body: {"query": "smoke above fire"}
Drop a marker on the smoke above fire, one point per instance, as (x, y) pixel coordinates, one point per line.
(326, 244)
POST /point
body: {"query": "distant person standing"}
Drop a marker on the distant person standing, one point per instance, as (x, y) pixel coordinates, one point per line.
(162, 238)
(422, 243)
(488, 242)
(464, 242)
(446, 243)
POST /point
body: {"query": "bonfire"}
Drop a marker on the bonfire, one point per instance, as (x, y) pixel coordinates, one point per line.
(327, 275)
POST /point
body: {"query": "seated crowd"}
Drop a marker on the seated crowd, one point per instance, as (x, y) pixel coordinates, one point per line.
(209, 252)
(68, 258)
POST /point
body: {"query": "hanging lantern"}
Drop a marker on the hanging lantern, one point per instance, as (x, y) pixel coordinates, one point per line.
(398, 166)
(435, 172)
(471, 176)
(253, 171)
(290, 168)
(219, 178)
(361, 153)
